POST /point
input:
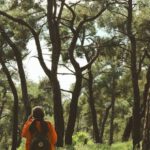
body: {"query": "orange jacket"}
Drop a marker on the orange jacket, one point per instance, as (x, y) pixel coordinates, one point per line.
(26, 133)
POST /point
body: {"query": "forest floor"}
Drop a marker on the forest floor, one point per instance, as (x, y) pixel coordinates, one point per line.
(115, 146)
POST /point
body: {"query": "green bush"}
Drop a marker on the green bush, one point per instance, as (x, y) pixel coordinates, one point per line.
(122, 146)
(115, 146)
(81, 138)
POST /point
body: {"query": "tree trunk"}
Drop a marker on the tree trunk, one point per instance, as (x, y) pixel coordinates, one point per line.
(104, 122)
(21, 72)
(3, 101)
(146, 133)
(113, 98)
(58, 111)
(15, 121)
(146, 110)
(145, 92)
(53, 27)
(127, 131)
(136, 94)
(92, 107)
(23, 83)
(73, 109)
(15, 107)
(134, 73)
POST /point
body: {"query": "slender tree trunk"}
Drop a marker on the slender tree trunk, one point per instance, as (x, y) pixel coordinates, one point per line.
(53, 27)
(15, 107)
(146, 110)
(146, 133)
(127, 131)
(21, 72)
(145, 92)
(92, 107)
(23, 83)
(104, 122)
(113, 98)
(76, 90)
(78, 85)
(58, 111)
(73, 109)
(136, 94)
(134, 73)
(3, 101)
(15, 122)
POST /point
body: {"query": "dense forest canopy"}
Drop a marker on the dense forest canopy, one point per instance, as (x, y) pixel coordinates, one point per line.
(109, 99)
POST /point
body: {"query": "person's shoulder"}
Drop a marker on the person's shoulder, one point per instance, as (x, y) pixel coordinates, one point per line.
(49, 123)
(28, 122)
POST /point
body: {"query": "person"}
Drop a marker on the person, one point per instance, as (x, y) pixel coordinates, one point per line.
(36, 122)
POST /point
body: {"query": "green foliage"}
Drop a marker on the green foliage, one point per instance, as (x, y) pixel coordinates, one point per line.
(115, 146)
(81, 137)
(22, 145)
(112, 64)
(92, 146)
(122, 146)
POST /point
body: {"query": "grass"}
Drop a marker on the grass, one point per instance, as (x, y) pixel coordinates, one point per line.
(116, 146)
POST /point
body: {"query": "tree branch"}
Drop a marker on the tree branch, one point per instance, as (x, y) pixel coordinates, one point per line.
(67, 68)
(61, 10)
(36, 38)
(91, 62)
(141, 61)
(66, 91)
(89, 19)
(73, 17)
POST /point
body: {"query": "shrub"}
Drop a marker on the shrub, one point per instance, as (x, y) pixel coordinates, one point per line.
(81, 138)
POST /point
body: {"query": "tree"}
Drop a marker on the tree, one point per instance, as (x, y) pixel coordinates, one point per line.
(52, 75)
(15, 95)
(20, 70)
(78, 70)
(4, 89)
(130, 26)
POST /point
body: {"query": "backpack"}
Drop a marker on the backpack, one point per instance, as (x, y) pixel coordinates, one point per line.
(39, 141)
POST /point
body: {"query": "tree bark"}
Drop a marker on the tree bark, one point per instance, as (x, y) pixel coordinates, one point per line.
(21, 73)
(92, 107)
(104, 122)
(146, 133)
(127, 131)
(23, 83)
(3, 101)
(113, 98)
(146, 114)
(134, 73)
(73, 109)
(145, 92)
(15, 107)
(58, 111)
(53, 27)
(91, 99)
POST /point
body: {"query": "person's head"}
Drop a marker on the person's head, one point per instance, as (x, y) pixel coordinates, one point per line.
(38, 113)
